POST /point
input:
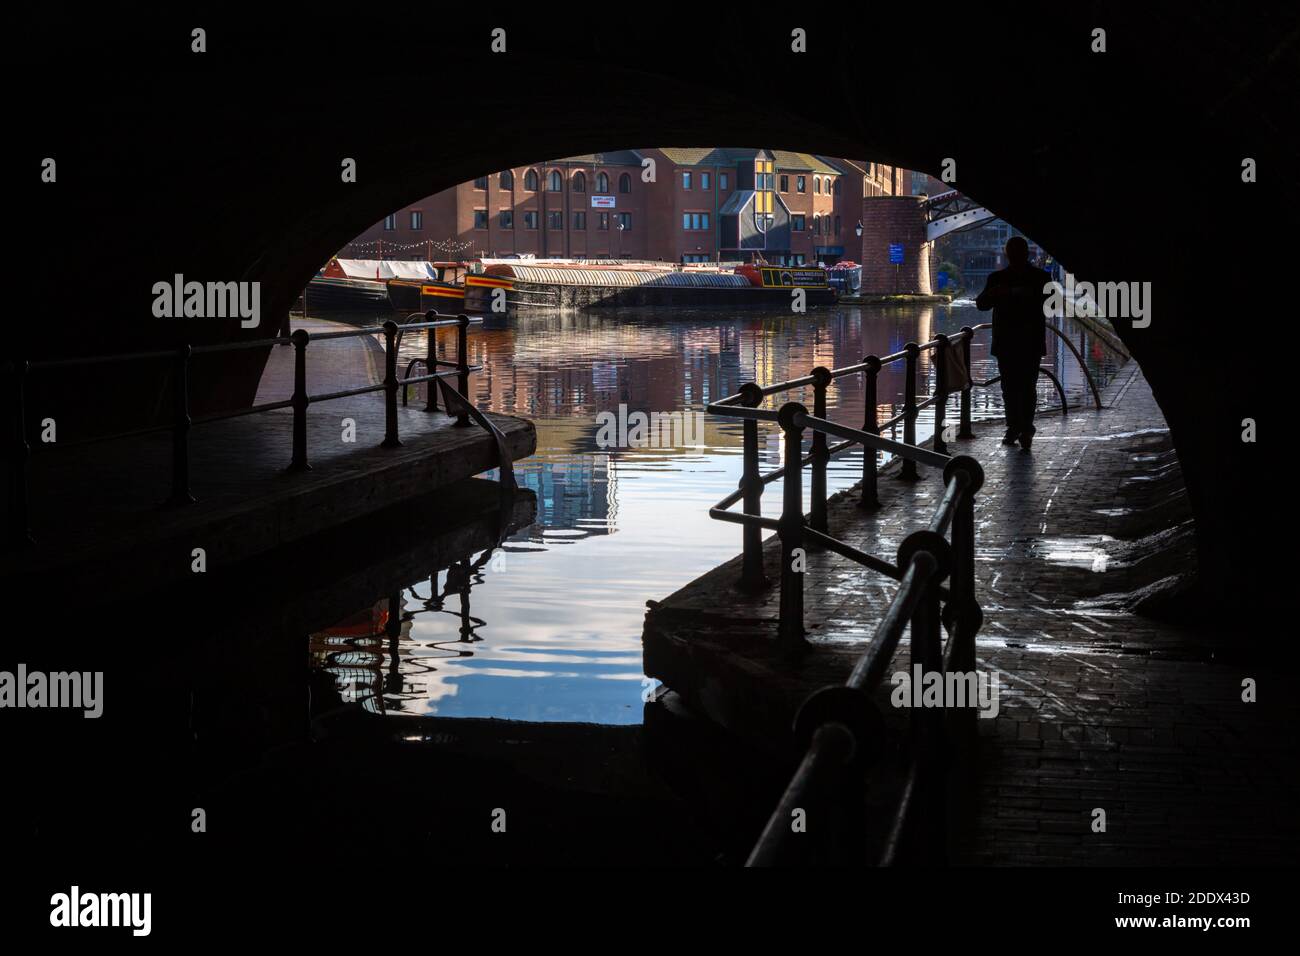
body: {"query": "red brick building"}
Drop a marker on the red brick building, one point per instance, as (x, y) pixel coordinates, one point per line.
(665, 204)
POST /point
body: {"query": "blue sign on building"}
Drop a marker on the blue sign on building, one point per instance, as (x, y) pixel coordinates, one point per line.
(896, 253)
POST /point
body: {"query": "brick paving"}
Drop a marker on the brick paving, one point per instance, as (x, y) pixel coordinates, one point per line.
(1099, 708)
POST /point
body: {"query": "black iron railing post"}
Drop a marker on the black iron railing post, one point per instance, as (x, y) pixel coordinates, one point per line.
(751, 483)
(820, 453)
(964, 615)
(390, 386)
(790, 529)
(431, 363)
(909, 408)
(20, 531)
(933, 556)
(300, 339)
(462, 363)
(940, 390)
(968, 337)
(870, 423)
(181, 429)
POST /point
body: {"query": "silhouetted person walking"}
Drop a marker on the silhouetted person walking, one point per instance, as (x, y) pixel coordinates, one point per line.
(1016, 295)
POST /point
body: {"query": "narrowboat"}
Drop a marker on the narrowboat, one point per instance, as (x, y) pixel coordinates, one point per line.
(542, 285)
(370, 285)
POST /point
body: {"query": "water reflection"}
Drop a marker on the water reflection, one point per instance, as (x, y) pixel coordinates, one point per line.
(555, 633)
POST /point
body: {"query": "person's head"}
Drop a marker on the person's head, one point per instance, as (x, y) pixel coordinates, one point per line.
(1017, 251)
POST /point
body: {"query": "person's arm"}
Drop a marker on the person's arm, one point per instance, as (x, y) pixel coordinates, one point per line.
(992, 292)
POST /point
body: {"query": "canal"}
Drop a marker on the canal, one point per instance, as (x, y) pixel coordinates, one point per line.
(548, 627)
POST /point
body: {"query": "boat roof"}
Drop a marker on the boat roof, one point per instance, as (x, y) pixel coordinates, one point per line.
(382, 269)
(618, 277)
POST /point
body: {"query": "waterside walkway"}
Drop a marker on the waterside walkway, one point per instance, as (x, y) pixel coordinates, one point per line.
(1099, 707)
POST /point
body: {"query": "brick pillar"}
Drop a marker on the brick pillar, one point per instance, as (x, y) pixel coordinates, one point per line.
(894, 219)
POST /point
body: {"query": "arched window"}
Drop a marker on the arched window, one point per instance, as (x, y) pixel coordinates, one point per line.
(555, 181)
(602, 183)
(580, 182)
(506, 180)
(837, 218)
(625, 183)
(530, 180)
(817, 184)
(837, 187)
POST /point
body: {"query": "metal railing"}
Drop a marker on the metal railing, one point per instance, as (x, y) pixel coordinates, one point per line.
(838, 728)
(182, 423)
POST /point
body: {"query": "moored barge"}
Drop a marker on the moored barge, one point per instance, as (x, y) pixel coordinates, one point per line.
(530, 285)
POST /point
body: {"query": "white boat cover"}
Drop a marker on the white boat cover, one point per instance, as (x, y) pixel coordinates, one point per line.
(383, 269)
(619, 277)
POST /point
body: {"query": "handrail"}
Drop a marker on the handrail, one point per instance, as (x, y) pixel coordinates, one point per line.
(181, 424)
(838, 728)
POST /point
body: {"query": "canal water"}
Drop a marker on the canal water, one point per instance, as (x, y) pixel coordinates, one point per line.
(549, 626)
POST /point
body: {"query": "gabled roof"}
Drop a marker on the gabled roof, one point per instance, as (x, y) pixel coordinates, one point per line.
(730, 156)
(617, 157)
(805, 161)
(709, 155)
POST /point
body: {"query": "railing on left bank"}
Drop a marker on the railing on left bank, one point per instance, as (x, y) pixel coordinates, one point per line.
(181, 422)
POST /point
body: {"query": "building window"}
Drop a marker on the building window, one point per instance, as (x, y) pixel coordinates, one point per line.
(555, 220)
(722, 182)
(704, 181)
(507, 219)
(785, 184)
(480, 218)
(417, 219)
(764, 180)
(625, 183)
(556, 181)
(797, 222)
(817, 185)
(686, 179)
(801, 184)
(390, 222)
(480, 182)
(695, 221)
(506, 180)
(602, 183)
(530, 219)
(602, 222)
(580, 182)
(530, 181)
(837, 187)
(799, 259)
(837, 218)
(580, 221)
(625, 221)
